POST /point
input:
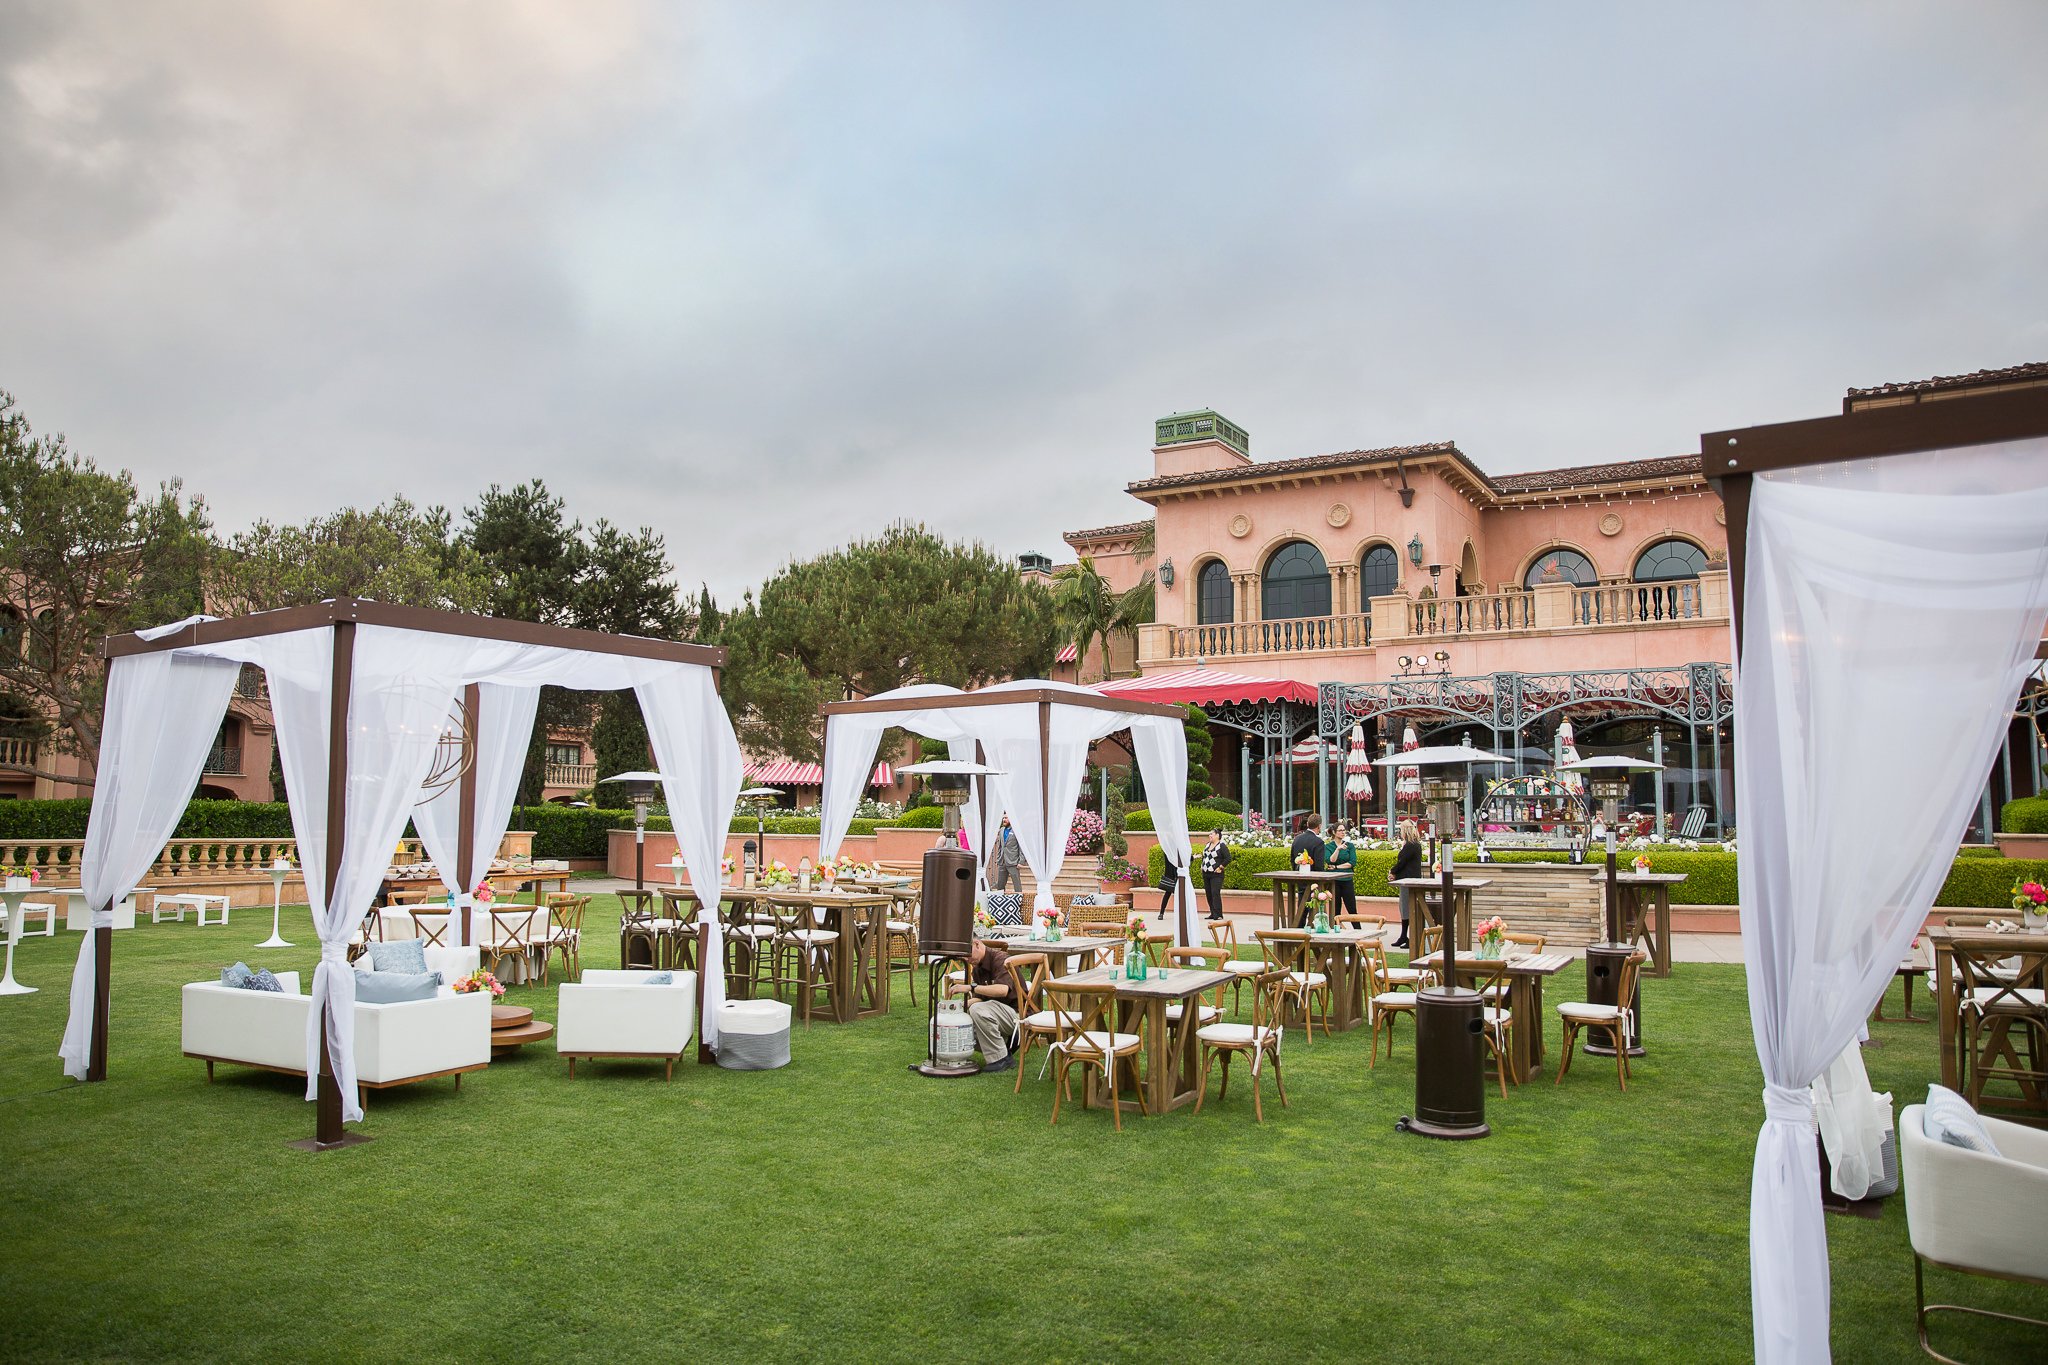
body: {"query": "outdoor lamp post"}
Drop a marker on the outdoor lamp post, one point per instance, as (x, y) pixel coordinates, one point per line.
(1607, 781)
(640, 789)
(1450, 1050)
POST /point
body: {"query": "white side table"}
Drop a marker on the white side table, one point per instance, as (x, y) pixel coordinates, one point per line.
(14, 896)
(277, 877)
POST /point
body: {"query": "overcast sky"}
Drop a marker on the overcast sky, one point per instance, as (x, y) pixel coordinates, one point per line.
(766, 276)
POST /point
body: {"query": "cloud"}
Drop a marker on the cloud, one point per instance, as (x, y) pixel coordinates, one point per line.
(766, 277)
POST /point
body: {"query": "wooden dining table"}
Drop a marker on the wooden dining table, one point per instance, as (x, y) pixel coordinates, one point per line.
(1646, 907)
(1524, 976)
(1061, 956)
(1171, 1052)
(860, 966)
(1983, 947)
(1340, 956)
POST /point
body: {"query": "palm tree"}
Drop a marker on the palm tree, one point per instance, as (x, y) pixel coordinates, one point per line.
(1089, 609)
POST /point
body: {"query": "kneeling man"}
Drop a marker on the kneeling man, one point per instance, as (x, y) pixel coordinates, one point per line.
(992, 1009)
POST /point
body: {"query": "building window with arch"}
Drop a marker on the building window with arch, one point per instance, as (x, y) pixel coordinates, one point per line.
(1215, 603)
(1379, 574)
(1569, 565)
(1296, 583)
(1668, 579)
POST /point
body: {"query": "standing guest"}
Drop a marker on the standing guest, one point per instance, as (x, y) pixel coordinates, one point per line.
(1310, 841)
(1407, 863)
(1215, 858)
(1344, 858)
(1169, 878)
(1007, 860)
(993, 1011)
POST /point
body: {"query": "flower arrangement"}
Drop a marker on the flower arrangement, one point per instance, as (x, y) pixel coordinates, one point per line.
(777, 873)
(1491, 933)
(1641, 863)
(1085, 835)
(21, 870)
(1303, 861)
(1054, 918)
(1114, 867)
(480, 980)
(2030, 898)
(983, 919)
(484, 895)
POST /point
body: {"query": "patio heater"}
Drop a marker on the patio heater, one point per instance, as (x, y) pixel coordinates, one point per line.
(1607, 781)
(760, 798)
(1450, 1050)
(640, 788)
(945, 928)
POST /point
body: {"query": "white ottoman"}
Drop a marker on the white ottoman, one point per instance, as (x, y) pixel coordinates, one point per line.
(753, 1035)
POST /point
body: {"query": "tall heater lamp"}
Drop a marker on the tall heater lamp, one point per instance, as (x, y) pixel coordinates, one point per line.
(945, 921)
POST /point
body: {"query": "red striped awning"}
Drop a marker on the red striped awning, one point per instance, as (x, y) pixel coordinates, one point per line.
(1068, 654)
(783, 772)
(1204, 686)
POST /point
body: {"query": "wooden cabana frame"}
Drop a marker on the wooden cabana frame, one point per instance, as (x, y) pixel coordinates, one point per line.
(341, 616)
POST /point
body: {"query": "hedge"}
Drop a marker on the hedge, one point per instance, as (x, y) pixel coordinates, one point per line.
(924, 817)
(1973, 883)
(2026, 815)
(1222, 803)
(1199, 820)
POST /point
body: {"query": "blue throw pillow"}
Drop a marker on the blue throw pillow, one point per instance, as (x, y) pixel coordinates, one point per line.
(396, 988)
(407, 956)
(236, 976)
(264, 981)
(659, 979)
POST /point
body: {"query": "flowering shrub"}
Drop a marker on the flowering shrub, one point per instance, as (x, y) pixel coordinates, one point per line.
(1086, 834)
(1114, 867)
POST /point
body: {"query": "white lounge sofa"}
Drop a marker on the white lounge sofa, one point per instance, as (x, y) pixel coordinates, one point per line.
(618, 1014)
(395, 1044)
(1974, 1212)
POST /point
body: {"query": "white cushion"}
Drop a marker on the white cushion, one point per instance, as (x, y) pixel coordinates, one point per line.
(1045, 1019)
(900, 926)
(2007, 998)
(1402, 975)
(1579, 1009)
(1204, 1014)
(1244, 968)
(1394, 1000)
(1496, 1017)
(1948, 1117)
(1100, 1041)
(813, 935)
(1238, 1035)
(1306, 978)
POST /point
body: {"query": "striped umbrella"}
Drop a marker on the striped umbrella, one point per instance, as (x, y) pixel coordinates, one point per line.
(1568, 754)
(1408, 786)
(1358, 768)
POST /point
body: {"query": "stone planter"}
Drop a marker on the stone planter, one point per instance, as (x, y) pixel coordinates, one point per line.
(1118, 889)
(2023, 845)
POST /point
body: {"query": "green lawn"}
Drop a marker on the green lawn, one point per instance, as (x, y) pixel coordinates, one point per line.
(846, 1209)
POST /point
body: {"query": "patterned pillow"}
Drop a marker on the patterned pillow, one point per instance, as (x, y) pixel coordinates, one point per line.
(1005, 907)
(236, 976)
(264, 981)
(408, 957)
(658, 979)
(1092, 898)
(1949, 1118)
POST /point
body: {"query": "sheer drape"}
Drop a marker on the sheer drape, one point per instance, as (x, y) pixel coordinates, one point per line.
(1162, 748)
(699, 758)
(504, 726)
(1902, 595)
(162, 714)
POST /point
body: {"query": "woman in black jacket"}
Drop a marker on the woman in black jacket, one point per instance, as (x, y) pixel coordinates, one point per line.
(1215, 857)
(1407, 863)
(1169, 878)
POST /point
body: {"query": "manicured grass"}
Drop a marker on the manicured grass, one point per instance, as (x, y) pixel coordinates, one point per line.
(846, 1209)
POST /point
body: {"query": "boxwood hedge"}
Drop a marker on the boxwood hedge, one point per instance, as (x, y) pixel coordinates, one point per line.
(1199, 820)
(2027, 815)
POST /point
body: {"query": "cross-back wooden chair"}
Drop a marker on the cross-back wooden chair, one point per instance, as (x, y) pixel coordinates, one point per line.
(1489, 976)
(512, 936)
(1223, 935)
(565, 935)
(1084, 1039)
(433, 929)
(1028, 974)
(2001, 996)
(1287, 951)
(1260, 1040)
(1201, 960)
(803, 952)
(1387, 999)
(1618, 1021)
(677, 929)
(899, 946)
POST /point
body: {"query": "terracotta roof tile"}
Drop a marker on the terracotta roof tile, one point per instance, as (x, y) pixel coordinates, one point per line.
(2037, 369)
(1542, 480)
(1269, 468)
(1127, 528)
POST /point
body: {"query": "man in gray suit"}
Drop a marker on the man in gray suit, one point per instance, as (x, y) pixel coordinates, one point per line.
(1006, 861)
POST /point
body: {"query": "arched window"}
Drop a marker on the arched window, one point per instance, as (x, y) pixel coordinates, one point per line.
(1570, 565)
(1379, 574)
(1213, 597)
(1669, 559)
(1297, 583)
(11, 633)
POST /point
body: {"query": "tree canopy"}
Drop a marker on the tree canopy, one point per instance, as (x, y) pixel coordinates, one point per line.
(396, 553)
(905, 607)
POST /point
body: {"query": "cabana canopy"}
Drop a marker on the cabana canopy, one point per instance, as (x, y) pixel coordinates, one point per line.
(1038, 734)
(362, 693)
(1887, 562)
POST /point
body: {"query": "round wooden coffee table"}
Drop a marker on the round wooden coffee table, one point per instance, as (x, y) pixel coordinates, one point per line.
(513, 1027)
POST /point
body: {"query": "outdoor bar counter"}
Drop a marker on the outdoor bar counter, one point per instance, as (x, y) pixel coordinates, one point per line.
(1560, 901)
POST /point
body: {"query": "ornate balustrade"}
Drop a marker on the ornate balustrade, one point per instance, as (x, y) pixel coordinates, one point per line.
(1289, 636)
(575, 776)
(1488, 614)
(1638, 603)
(192, 861)
(18, 751)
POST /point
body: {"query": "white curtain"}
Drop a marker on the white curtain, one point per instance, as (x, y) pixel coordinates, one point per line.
(504, 728)
(1162, 748)
(1903, 591)
(162, 714)
(701, 772)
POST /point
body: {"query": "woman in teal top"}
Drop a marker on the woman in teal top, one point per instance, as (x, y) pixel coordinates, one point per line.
(1343, 858)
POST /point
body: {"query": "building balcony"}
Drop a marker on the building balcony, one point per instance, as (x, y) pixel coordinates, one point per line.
(225, 760)
(1548, 609)
(570, 776)
(18, 753)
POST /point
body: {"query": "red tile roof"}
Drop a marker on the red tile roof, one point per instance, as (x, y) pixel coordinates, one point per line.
(2037, 369)
(1542, 480)
(1117, 532)
(1310, 464)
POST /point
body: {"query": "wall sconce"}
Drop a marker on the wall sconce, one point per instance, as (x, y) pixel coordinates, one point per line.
(1435, 572)
(1166, 572)
(1415, 551)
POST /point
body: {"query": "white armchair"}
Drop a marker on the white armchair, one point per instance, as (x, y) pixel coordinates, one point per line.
(1973, 1212)
(618, 1014)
